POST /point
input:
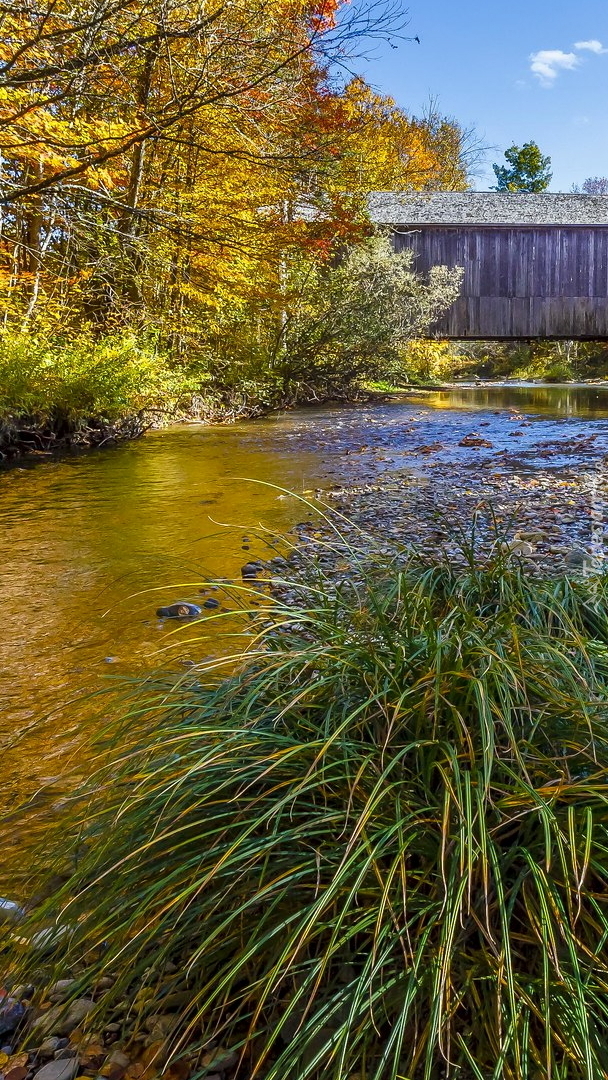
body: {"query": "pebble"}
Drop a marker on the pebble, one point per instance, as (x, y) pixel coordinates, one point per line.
(159, 1025)
(66, 1069)
(576, 558)
(61, 990)
(61, 1021)
(115, 1066)
(17, 1072)
(48, 1047)
(11, 1013)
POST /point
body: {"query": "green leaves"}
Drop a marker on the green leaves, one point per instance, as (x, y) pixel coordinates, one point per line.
(529, 170)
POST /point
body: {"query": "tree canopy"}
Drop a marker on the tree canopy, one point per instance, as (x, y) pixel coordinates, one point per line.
(527, 170)
(593, 185)
(157, 156)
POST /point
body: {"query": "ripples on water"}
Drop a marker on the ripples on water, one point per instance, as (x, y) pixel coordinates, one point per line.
(83, 540)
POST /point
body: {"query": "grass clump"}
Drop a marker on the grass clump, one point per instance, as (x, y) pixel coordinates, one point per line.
(377, 849)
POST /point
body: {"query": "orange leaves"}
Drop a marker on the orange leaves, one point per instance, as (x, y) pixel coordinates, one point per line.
(168, 162)
(384, 149)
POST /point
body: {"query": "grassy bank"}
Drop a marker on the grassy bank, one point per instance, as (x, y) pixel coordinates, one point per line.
(80, 391)
(375, 849)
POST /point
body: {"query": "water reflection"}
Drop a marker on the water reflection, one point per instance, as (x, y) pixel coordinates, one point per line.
(556, 400)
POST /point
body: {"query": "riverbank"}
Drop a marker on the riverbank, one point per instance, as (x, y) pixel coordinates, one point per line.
(28, 438)
(404, 759)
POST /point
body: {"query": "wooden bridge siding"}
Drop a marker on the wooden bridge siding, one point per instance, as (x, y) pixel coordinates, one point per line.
(488, 317)
(520, 281)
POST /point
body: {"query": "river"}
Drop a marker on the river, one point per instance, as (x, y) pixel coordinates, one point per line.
(91, 545)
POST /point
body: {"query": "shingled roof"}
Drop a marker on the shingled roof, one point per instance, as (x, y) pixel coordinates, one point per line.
(486, 208)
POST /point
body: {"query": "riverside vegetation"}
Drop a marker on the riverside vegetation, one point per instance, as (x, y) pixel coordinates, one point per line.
(349, 323)
(371, 844)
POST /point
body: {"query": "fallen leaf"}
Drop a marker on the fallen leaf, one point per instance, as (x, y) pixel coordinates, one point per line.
(178, 1070)
(16, 1061)
(134, 1071)
(18, 1073)
(153, 1057)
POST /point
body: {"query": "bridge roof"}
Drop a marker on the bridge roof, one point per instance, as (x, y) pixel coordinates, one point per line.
(486, 208)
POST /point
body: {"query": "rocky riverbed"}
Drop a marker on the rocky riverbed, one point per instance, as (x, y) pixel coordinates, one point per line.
(439, 481)
(554, 521)
(52, 1034)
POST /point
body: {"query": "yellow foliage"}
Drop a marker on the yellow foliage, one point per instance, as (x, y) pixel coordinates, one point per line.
(426, 359)
(158, 158)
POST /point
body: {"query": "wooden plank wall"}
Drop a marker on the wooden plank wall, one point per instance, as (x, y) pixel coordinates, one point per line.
(520, 281)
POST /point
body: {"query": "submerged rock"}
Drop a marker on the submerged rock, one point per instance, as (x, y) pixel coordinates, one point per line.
(181, 610)
(251, 570)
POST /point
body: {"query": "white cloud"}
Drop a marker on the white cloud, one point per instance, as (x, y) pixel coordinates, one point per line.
(547, 64)
(593, 46)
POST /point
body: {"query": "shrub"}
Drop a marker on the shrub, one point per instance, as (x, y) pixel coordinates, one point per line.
(83, 379)
(558, 372)
(350, 322)
(378, 848)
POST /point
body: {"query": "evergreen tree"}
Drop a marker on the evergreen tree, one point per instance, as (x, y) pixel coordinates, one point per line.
(528, 170)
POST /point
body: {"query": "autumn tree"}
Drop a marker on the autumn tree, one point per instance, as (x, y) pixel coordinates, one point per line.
(187, 170)
(135, 134)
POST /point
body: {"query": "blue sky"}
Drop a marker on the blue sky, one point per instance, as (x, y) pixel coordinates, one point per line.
(517, 71)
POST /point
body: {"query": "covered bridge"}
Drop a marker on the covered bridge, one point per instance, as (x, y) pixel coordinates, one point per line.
(536, 266)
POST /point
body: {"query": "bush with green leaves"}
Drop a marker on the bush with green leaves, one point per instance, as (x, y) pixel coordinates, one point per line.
(349, 322)
(84, 377)
(377, 848)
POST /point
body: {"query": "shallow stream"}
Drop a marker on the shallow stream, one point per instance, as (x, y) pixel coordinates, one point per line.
(90, 546)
